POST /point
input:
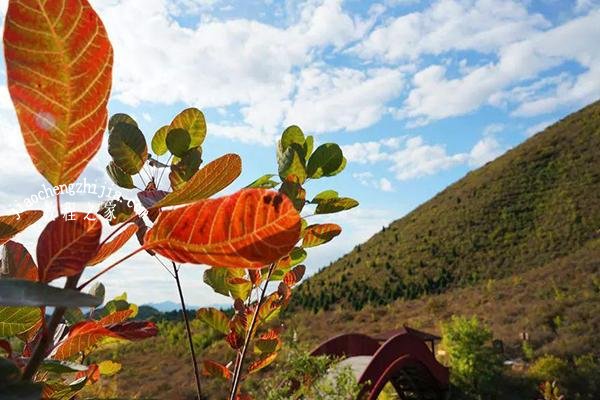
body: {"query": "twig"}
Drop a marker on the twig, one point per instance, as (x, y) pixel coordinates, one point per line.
(189, 332)
(240, 362)
(47, 336)
(105, 270)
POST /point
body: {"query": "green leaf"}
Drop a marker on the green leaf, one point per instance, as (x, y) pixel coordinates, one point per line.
(120, 117)
(214, 318)
(98, 290)
(295, 192)
(159, 141)
(74, 315)
(62, 367)
(184, 169)
(15, 320)
(330, 206)
(127, 147)
(178, 141)
(292, 134)
(216, 278)
(239, 288)
(192, 120)
(327, 160)
(118, 176)
(16, 292)
(308, 146)
(266, 346)
(264, 182)
(292, 163)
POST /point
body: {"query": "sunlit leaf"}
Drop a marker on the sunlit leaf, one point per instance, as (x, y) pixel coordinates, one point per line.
(10, 225)
(109, 368)
(261, 363)
(295, 275)
(127, 147)
(62, 367)
(214, 369)
(81, 337)
(294, 191)
(59, 66)
(248, 229)
(134, 330)
(111, 247)
(178, 141)
(115, 317)
(264, 182)
(291, 163)
(118, 176)
(192, 120)
(183, 170)
(325, 195)
(15, 320)
(214, 318)
(159, 141)
(16, 262)
(98, 290)
(240, 288)
(120, 117)
(212, 178)
(16, 292)
(74, 315)
(325, 161)
(217, 278)
(66, 245)
(316, 235)
(334, 205)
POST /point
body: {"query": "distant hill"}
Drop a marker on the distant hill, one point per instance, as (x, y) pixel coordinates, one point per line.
(536, 203)
(166, 306)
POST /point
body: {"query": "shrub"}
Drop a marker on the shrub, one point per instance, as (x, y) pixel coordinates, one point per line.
(549, 368)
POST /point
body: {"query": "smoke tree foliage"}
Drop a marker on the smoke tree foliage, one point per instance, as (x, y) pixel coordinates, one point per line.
(59, 73)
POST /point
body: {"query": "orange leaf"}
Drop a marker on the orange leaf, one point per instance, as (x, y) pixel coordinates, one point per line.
(92, 374)
(261, 363)
(248, 229)
(10, 225)
(214, 369)
(82, 336)
(116, 317)
(315, 235)
(109, 248)
(294, 276)
(59, 66)
(16, 262)
(66, 245)
(212, 178)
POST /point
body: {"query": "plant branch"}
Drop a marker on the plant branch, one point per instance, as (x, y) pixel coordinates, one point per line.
(240, 361)
(47, 335)
(189, 332)
(105, 270)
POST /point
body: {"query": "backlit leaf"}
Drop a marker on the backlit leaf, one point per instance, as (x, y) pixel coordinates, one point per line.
(292, 134)
(15, 320)
(212, 178)
(264, 182)
(178, 141)
(120, 117)
(240, 288)
(315, 235)
(184, 169)
(127, 147)
(17, 263)
(159, 141)
(118, 176)
(62, 367)
(149, 198)
(325, 195)
(115, 317)
(292, 163)
(294, 276)
(134, 330)
(81, 337)
(109, 368)
(261, 363)
(10, 225)
(192, 120)
(215, 370)
(98, 290)
(17, 292)
(217, 278)
(248, 229)
(214, 318)
(111, 247)
(117, 211)
(330, 206)
(325, 161)
(59, 66)
(294, 191)
(65, 246)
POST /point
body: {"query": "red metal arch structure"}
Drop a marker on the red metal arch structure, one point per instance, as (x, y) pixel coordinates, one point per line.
(401, 358)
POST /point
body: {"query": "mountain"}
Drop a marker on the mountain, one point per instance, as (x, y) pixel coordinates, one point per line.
(166, 306)
(538, 202)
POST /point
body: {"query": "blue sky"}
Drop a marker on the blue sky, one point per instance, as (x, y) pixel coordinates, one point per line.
(418, 93)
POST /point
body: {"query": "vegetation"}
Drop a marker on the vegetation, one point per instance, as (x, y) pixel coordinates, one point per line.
(538, 202)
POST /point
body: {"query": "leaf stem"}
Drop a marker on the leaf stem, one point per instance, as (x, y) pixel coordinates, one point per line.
(58, 204)
(189, 331)
(105, 270)
(240, 361)
(47, 335)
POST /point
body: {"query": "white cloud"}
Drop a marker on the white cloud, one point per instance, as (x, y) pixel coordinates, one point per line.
(484, 151)
(532, 130)
(494, 128)
(385, 185)
(368, 179)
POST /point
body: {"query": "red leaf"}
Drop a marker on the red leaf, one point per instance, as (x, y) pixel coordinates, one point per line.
(294, 276)
(315, 235)
(214, 369)
(92, 373)
(255, 276)
(17, 263)
(59, 65)
(248, 229)
(116, 317)
(82, 336)
(149, 198)
(65, 246)
(134, 330)
(109, 248)
(10, 225)
(5, 345)
(261, 363)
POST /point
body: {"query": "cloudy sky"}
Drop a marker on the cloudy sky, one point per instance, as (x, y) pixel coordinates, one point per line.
(417, 92)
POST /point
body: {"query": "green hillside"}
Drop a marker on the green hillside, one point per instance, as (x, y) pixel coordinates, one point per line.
(537, 202)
